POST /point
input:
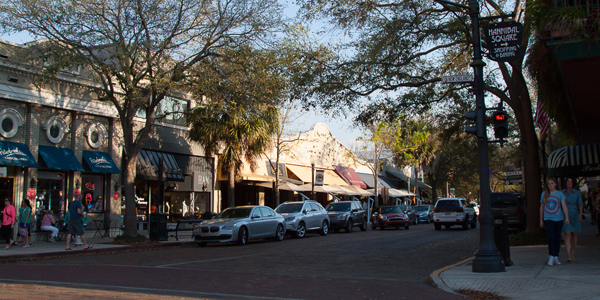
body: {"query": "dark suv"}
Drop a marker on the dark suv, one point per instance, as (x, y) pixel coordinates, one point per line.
(511, 204)
(346, 214)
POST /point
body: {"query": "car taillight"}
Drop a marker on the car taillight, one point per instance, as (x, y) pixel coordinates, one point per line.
(460, 209)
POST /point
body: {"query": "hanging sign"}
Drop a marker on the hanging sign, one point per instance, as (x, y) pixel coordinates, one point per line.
(319, 177)
(503, 40)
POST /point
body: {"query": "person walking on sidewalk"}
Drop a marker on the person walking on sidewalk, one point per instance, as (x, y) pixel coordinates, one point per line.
(76, 223)
(8, 222)
(575, 211)
(25, 221)
(552, 217)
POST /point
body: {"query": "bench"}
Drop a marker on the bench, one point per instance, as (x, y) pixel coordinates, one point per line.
(184, 225)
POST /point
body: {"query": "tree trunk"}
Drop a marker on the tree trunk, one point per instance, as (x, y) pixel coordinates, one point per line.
(231, 187)
(130, 203)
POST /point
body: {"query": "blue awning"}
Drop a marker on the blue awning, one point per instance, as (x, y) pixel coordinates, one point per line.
(60, 159)
(16, 154)
(381, 181)
(100, 162)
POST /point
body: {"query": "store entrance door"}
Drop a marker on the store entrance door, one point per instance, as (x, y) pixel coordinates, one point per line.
(7, 190)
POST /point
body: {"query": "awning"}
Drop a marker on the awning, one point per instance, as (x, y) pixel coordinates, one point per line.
(305, 174)
(285, 186)
(147, 166)
(323, 189)
(350, 176)
(381, 181)
(583, 160)
(60, 158)
(16, 154)
(392, 171)
(100, 162)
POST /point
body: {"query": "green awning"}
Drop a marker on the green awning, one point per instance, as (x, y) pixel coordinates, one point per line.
(16, 154)
(60, 159)
(100, 162)
(575, 161)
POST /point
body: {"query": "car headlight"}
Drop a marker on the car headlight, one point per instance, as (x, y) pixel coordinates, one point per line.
(342, 217)
(229, 227)
(290, 219)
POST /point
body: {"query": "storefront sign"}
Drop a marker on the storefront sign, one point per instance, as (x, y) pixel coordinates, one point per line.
(90, 186)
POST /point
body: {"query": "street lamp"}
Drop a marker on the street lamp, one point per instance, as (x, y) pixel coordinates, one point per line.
(313, 160)
(487, 259)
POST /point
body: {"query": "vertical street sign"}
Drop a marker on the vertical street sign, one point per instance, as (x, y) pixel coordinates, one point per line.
(503, 40)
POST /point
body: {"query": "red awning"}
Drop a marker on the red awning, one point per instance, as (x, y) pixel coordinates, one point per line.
(350, 176)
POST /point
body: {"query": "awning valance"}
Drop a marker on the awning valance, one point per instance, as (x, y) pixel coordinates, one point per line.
(305, 174)
(60, 158)
(100, 162)
(148, 162)
(583, 160)
(350, 176)
(16, 154)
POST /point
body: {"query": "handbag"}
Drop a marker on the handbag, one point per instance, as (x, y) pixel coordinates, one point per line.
(23, 231)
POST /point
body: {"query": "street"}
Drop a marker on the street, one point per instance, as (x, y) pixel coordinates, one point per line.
(389, 264)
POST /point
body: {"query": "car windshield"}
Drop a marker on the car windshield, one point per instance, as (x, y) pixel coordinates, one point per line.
(338, 207)
(391, 210)
(421, 208)
(289, 208)
(235, 213)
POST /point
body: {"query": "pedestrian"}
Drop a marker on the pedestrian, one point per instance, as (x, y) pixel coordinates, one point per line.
(552, 217)
(47, 225)
(8, 223)
(76, 223)
(574, 204)
(25, 221)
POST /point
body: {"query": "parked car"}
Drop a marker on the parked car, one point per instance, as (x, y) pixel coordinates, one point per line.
(303, 216)
(424, 213)
(454, 211)
(346, 214)
(393, 216)
(511, 204)
(475, 207)
(241, 224)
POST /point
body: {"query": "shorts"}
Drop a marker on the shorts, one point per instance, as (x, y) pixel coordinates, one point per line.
(76, 227)
(24, 225)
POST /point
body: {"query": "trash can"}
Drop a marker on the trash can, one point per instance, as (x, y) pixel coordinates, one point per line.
(158, 227)
(501, 236)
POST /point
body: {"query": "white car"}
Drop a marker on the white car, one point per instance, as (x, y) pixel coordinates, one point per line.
(454, 211)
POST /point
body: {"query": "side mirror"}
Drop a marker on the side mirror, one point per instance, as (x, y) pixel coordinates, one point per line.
(304, 211)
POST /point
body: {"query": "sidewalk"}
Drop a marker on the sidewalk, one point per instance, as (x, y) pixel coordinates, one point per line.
(529, 277)
(42, 248)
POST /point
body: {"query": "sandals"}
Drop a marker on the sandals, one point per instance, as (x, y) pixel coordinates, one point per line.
(68, 249)
(88, 247)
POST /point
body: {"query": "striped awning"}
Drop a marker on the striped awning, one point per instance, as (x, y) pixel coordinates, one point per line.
(583, 160)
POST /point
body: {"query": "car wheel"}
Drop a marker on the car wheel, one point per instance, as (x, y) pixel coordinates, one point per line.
(202, 244)
(465, 224)
(474, 224)
(437, 226)
(348, 227)
(279, 233)
(301, 231)
(324, 228)
(242, 237)
(363, 226)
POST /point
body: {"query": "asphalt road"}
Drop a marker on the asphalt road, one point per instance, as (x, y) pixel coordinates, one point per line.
(389, 264)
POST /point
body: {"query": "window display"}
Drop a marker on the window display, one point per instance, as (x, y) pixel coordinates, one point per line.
(93, 192)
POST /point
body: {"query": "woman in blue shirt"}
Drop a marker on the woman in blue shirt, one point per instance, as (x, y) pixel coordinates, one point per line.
(575, 212)
(552, 217)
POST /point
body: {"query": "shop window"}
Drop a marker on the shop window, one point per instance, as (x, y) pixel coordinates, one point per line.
(93, 192)
(51, 193)
(56, 127)
(10, 121)
(170, 110)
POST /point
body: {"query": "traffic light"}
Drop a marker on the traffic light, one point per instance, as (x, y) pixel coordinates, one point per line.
(472, 115)
(500, 120)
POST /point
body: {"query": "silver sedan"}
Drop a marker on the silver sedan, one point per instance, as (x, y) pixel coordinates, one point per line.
(241, 224)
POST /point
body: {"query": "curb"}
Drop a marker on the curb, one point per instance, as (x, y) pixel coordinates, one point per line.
(65, 253)
(435, 280)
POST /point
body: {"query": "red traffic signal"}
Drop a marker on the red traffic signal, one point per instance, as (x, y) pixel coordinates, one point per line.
(500, 120)
(500, 116)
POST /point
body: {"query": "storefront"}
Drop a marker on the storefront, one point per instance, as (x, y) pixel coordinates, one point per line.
(15, 158)
(94, 181)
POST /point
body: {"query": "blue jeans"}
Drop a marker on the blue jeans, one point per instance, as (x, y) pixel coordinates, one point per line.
(553, 231)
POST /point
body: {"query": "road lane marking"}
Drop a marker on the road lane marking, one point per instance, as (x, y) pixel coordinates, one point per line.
(212, 260)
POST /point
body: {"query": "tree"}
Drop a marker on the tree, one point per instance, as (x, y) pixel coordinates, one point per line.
(139, 51)
(239, 117)
(402, 50)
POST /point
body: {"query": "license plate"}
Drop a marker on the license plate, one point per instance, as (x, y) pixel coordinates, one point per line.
(447, 214)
